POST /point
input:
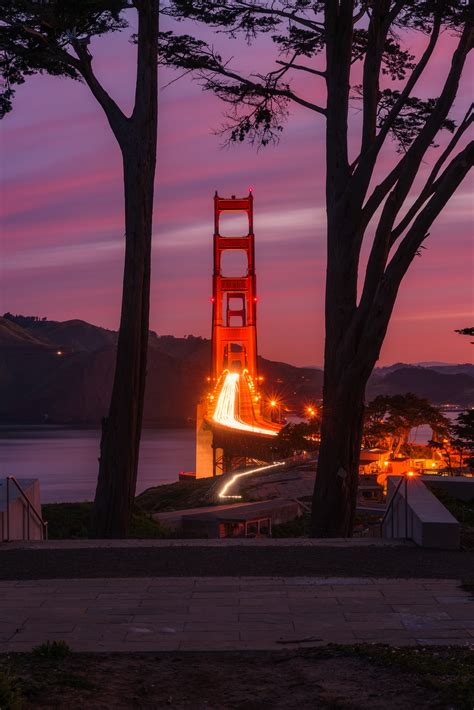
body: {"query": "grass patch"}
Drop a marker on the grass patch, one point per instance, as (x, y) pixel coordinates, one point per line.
(69, 521)
(52, 650)
(181, 495)
(447, 670)
(10, 690)
(378, 675)
(463, 511)
(72, 680)
(299, 527)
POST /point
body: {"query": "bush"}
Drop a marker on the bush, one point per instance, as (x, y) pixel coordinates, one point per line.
(52, 649)
(69, 521)
(299, 527)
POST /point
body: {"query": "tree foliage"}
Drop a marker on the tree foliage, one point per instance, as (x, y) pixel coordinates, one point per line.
(298, 438)
(389, 420)
(51, 37)
(466, 331)
(457, 445)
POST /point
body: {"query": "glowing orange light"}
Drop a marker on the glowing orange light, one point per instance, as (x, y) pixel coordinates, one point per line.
(223, 492)
(410, 474)
(273, 403)
(226, 407)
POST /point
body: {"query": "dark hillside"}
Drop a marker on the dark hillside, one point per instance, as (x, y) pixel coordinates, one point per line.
(63, 373)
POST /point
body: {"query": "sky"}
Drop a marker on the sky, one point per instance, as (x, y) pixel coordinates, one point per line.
(62, 228)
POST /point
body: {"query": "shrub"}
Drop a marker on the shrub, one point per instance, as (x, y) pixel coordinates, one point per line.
(52, 649)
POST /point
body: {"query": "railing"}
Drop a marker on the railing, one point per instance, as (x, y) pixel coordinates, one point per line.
(390, 505)
(30, 509)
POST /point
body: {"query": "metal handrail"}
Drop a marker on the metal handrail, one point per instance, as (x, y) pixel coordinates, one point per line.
(390, 506)
(29, 506)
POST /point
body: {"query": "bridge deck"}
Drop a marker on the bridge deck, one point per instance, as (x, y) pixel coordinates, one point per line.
(236, 407)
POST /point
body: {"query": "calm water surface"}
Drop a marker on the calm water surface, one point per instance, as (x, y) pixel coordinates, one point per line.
(65, 460)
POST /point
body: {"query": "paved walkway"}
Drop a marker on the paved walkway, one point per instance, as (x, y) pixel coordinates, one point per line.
(232, 613)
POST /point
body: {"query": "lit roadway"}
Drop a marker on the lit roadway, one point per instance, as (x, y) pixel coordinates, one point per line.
(227, 405)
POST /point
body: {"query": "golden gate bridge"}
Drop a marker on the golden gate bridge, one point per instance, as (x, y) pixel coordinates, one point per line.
(232, 427)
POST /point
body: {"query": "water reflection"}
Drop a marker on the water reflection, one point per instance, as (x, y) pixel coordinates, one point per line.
(65, 460)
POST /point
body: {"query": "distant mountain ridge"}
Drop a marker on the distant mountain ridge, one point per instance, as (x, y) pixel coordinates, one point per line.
(62, 372)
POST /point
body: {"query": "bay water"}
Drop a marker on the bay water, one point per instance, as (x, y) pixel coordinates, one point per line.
(65, 460)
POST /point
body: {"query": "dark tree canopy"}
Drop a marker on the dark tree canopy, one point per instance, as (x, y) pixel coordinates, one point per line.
(389, 419)
(466, 331)
(51, 37)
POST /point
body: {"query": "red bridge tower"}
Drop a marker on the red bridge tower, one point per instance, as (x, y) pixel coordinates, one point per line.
(234, 299)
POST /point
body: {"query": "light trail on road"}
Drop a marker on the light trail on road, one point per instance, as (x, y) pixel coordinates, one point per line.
(225, 411)
(223, 492)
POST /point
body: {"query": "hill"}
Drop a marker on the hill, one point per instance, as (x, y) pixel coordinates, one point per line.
(438, 387)
(62, 372)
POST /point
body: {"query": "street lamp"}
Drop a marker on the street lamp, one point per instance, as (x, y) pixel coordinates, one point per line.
(274, 404)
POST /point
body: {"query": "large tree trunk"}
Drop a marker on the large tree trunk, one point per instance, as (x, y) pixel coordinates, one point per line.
(121, 430)
(338, 463)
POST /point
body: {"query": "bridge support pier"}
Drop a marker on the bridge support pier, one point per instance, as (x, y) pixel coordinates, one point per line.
(206, 453)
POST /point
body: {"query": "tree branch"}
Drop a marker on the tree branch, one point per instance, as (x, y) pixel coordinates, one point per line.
(366, 163)
(405, 172)
(292, 17)
(117, 119)
(376, 36)
(301, 67)
(430, 184)
(446, 186)
(262, 90)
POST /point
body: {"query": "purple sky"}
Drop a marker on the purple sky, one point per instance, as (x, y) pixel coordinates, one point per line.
(62, 224)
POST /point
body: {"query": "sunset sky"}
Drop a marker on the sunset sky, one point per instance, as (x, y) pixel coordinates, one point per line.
(62, 232)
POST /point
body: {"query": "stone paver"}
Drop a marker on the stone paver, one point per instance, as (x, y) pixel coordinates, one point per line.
(232, 613)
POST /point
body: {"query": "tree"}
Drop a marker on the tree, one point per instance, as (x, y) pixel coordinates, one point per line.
(462, 440)
(389, 419)
(296, 438)
(361, 199)
(53, 37)
(466, 331)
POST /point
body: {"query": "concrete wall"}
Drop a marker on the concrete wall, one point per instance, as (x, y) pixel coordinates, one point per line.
(416, 514)
(18, 524)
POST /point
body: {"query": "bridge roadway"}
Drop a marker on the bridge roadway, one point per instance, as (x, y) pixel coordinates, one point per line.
(235, 407)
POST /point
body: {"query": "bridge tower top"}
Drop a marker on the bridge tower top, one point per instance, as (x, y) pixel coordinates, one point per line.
(234, 297)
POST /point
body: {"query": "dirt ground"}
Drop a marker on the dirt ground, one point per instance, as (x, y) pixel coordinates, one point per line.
(335, 677)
